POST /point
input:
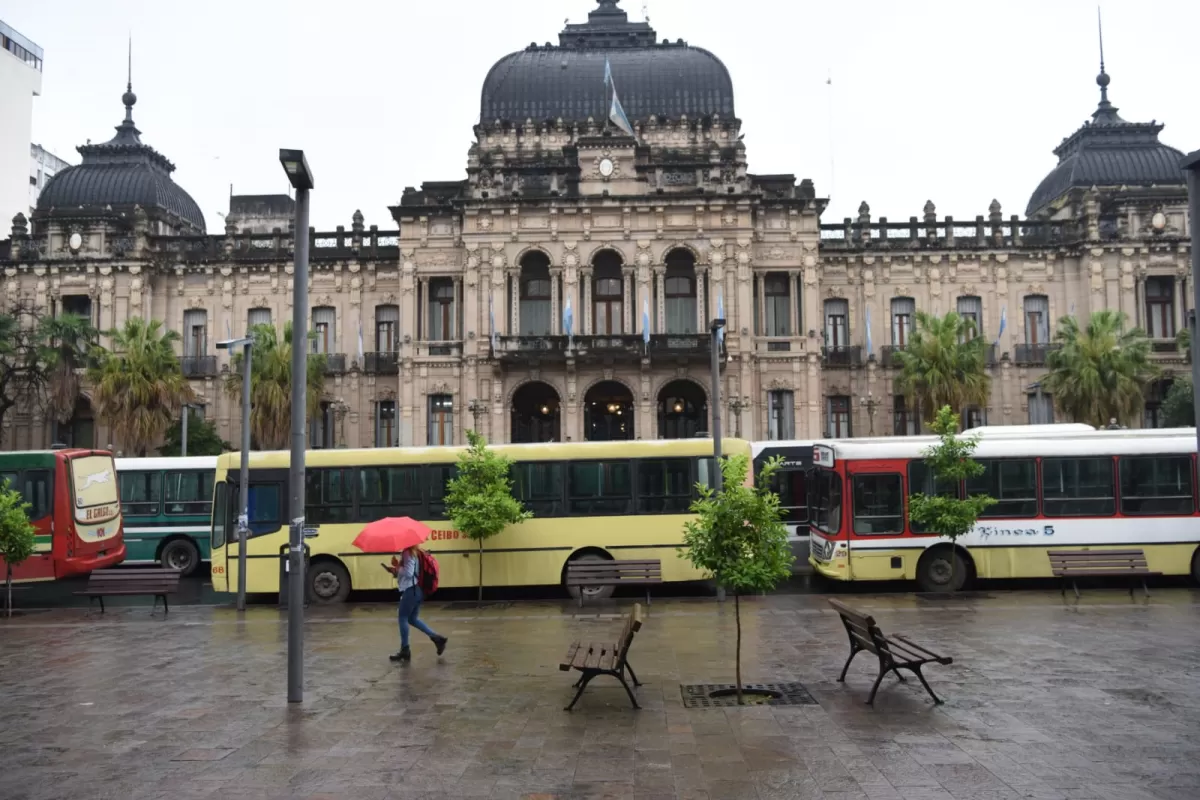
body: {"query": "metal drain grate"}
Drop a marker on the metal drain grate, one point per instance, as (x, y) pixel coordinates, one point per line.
(696, 695)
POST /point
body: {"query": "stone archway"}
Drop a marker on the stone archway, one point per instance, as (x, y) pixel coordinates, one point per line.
(536, 414)
(682, 410)
(608, 412)
(80, 430)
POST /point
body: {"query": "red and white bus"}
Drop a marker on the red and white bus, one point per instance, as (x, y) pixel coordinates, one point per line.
(75, 509)
(1062, 487)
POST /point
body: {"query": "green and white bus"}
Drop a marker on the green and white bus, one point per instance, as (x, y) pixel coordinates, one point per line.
(167, 507)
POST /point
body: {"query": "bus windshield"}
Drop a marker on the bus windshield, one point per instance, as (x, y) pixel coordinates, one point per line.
(94, 485)
(827, 501)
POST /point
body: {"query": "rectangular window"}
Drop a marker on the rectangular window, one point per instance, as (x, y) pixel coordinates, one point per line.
(321, 427)
(258, 316)
(904, 422)
(664, 486)
(141, 493)
(706, 472)
(837, 329)
(903, 311)
(1160, 307)
(441, 419)
(1037, 319)
(324, 319)
(539, 485)
(973, 417)
(1012, 483)
(776, 288)
(390, 492)
(265, 508)
(781, 420)
(837, 411)
(1041, 409)
(970, 308)
(387, 329)
(597, 488)
(195, 333)
(441, 310)
(878, 504)
(1156, 485)
(385, 424)
(189, 492)
(438, 475)
(827, 501)
(1078, 487)
(329, 495)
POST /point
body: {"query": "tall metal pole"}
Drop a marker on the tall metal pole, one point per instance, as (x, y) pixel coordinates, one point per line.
(715, 329)
(187, 410)
(296, 470)
(1191, 164)
(244, 478)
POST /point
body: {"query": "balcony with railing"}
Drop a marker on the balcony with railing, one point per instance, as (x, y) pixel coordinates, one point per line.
(842, 356)
(335, 363)
(386, 363)
(1033, 355)
(440, 348)
(198, 366)
(887, 355)
(609, 345)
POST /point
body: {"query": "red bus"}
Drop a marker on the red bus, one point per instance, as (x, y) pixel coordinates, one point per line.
(75, 509)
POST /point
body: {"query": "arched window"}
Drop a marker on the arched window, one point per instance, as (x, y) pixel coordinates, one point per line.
(903, 310)
(607, 294)
(535, 295)
(679, 289)
(837, 323)
(441, 310)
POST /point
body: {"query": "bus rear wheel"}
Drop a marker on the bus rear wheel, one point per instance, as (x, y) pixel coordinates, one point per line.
(941, 569)
(181, 555)
(328, 582)
(589, 592)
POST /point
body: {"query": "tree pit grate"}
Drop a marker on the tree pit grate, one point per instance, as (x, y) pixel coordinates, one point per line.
(700, 695)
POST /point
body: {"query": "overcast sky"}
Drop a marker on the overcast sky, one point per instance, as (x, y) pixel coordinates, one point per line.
(959, 101)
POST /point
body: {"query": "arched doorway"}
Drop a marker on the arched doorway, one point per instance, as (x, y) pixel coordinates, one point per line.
(682, 411)
(608, 413)
(679, 287)
(80, 431)
(608, 293)
(535, 414)
(535, 294)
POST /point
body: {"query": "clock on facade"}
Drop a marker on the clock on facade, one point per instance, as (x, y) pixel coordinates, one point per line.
(75, 242)
(607, 167)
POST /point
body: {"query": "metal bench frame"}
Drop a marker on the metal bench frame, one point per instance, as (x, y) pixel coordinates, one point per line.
(131, 583)
(594, 659)
(1072, 564)
(614, 573)
(894, 653)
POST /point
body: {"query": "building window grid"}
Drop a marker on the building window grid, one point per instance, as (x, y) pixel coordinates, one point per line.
(838, 417)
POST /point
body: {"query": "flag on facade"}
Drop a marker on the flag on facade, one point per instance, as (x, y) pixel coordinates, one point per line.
(360, 341)
(228, 329)
(492, 317)
(870, 346)
(1003, 323)
(646, 321)
(616, 112)
(721, 315)
(568, 319)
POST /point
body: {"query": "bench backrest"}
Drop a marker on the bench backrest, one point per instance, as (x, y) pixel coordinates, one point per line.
(134, 578)
(614, 570)
(1097, 559)
(861, 628)
(633, 624)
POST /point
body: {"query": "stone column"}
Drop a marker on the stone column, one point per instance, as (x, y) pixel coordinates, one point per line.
(627, 294)
(702, 316)
(514, 284)
(421, 332)
(760, 297)
(555, 312)
(660, 287)
(796, 319)
(1180, 320)
(586, 315)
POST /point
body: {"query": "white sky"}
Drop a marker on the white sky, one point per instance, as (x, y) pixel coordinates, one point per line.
(957, 101)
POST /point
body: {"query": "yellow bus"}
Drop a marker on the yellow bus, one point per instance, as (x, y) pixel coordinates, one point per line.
(594, 500)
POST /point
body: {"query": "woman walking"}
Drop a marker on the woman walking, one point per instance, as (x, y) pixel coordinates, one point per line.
(407, 572)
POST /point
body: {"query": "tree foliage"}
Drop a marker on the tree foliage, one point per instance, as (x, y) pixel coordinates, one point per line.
(67, 345)
(950, 461)
(479, 498)
(139, 386)
(1100, 371)
(1178, 406)
(16, 535)
(738, 537)
(271, 385)
(25, 375)
(203, 439)
(943, 364)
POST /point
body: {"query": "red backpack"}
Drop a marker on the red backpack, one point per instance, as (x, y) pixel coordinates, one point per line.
(427, 572)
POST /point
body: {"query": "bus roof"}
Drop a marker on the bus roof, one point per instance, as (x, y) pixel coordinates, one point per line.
(1104, 442)
(155, 464)
(550, 451)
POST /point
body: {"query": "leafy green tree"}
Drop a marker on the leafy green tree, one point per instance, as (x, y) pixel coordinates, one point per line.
(67, 346)
(203, 439)
(950, 461)
(16, 535)
(1099, 372)
(139, 386)
(479, 498)
(271, 385)
(943, 364)
(738, 537)
(1179, 410)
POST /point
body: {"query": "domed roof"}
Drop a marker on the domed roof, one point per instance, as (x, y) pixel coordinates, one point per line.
(567, 81)
(122, 173)
(1108, 151)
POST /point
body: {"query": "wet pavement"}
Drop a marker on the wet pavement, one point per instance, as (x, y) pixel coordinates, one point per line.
(1046, 699)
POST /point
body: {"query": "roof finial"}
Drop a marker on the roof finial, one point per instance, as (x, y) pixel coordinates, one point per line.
(1105, 112)
(129, 98)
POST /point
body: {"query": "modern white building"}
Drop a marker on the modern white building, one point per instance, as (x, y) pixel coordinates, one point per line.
(20, 82)
(43, 165)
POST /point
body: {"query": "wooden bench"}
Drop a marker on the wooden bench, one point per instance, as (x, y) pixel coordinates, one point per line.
(605, 658)
(614, 573)
(108, 582)
(1072, 564)
(895, 653)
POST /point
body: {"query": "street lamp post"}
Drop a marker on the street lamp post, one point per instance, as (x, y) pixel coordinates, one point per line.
(870, 404)
(246, 343)
(183, 429)
(715, 331)
(736, 406)
(476, 408)
(1191, 165)
(296, 167)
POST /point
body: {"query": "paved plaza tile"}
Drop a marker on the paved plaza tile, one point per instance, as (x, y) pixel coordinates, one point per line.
(1047, 699)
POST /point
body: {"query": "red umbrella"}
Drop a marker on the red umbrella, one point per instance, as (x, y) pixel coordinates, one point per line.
(391, 535)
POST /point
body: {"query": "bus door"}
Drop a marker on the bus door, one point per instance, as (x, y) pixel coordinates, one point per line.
(878, 546)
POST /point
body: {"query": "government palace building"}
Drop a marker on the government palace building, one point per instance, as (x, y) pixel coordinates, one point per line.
(564, 287)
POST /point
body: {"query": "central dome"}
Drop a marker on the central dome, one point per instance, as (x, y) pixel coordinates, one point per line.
(566, 81)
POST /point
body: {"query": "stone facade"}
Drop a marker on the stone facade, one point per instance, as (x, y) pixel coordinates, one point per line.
(459, 317)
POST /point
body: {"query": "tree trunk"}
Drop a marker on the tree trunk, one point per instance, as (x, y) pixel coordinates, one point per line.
(737, 616)
(480, 596)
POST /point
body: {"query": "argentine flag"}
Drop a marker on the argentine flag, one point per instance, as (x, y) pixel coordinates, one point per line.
(646, 321)
(721, 315)
(492, 317)
(616, 113)
(869, 345)
(1003, 323)
(360, 342)
(568, 319)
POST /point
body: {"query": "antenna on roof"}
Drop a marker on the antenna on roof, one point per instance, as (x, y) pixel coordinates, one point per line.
(129, 70)
(646, 10)
(1100, 29)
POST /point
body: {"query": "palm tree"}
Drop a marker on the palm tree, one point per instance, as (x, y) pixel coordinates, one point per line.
(271, 386)
(1100, 372)
(139, 384)
(944, 364)
(67, 344)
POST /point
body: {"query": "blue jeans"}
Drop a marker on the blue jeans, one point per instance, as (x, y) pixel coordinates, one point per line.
(410, 606)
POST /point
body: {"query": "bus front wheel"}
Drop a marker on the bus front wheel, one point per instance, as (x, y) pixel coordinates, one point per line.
(328, 582)
(589, 592)
(181, 555)
(941, 569)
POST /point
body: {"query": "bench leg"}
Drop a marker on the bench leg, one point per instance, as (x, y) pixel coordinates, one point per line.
(853, 652)
(937, 700)
(101, 599)
(1144, 588)
(875, 688)
(628, 691)
(166, 608)
(1075, 586)
(898, 675)
(582, 684)
(632, 674)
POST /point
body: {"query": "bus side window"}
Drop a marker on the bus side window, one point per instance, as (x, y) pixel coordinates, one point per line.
(791, 487)
(141, 493)
(1012, 482)
(921, 481)
(189, 493)
(265, 512)
(599, 488)
(10, 480)
(1156, 485)
(1078, 487)
(664, 486)
(220, 517)
(437, 476)
(389, 492)
(37, 493)
(878, 504)
(329, 496)
(539, 486)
